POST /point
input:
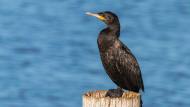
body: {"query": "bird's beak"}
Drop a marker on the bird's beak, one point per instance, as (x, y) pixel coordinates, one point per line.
(96, 15)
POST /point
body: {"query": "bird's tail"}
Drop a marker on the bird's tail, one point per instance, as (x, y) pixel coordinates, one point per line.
(141, 103)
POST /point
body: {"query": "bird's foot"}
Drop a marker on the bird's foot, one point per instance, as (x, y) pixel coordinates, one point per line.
(114, 93)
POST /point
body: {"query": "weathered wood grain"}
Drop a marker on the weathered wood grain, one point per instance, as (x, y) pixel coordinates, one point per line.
(98, 99)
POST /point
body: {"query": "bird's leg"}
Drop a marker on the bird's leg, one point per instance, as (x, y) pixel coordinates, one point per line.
(114, 92)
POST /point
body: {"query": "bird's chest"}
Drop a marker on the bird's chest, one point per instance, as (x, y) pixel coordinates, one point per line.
(108, 49)
(105, 43)
(109, 57)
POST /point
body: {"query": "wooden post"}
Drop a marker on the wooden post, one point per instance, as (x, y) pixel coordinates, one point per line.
(98, 99)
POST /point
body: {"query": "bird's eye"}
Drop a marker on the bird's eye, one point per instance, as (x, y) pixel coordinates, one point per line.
(109, 18)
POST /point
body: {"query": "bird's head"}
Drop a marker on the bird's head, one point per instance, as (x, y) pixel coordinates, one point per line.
(107, 17)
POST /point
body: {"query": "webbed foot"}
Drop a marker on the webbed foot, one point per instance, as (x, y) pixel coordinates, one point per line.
(114, 93)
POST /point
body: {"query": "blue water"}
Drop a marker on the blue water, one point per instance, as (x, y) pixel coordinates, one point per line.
(49, 56)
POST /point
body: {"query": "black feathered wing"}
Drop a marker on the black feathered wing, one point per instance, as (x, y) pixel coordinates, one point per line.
(129, 70)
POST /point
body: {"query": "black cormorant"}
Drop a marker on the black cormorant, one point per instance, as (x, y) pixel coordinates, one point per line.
(119, 62)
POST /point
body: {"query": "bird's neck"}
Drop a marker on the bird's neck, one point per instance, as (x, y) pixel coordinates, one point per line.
(108, 36)
(114, 29)
(110, 33)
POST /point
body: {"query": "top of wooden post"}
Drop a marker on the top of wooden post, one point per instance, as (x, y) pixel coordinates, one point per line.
(98, 99)
(102, 93)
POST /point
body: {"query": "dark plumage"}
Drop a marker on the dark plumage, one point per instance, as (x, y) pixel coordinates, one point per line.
(120, 64)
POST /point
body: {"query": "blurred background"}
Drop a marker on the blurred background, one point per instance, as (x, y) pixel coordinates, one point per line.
(49, 55)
